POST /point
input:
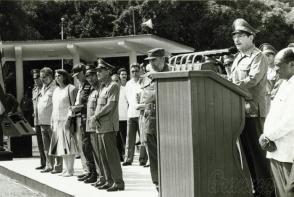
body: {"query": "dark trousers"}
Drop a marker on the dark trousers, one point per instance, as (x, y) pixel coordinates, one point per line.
(256, 158)
(110, 158)
(282, 178)
(152, 149)
(97, 148)
(87, 149)
(121, 138)
(132, 130)
(40, 145)
(1, 133)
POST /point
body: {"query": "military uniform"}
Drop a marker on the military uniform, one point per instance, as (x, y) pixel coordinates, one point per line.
(148, 92)
(107, 124)
(83, 137)
(249, 72)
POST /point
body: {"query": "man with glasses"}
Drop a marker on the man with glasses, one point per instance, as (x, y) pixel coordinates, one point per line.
(132, 89)
(249, 72)
(44, 109)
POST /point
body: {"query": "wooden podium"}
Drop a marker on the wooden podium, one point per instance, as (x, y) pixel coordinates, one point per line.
(200, 116)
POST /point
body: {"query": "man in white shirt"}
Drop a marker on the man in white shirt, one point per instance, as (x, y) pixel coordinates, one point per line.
(278, 136)
(122, 112)
(132, 89)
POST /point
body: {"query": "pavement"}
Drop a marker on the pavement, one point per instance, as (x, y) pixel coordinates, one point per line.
(137, 181)
(11, 188)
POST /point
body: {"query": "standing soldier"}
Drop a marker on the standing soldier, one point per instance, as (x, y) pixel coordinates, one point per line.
(107, 124)
(272, 77)
(249, 72)
(156, 59)
(90, 124)
(35, 95)
(83, 137)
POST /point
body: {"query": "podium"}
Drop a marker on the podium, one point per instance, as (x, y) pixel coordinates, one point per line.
(200, 116)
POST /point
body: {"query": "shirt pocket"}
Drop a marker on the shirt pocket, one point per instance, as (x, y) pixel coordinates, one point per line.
(244, 69)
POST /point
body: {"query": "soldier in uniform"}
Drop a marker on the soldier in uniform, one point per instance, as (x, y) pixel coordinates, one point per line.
(107, 124)
(273, 81)
(83, 137)
(156, 58)
(35, 95)
(90, 124)
(249, 72)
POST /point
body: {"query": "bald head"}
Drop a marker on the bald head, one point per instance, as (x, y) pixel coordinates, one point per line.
(284, 62)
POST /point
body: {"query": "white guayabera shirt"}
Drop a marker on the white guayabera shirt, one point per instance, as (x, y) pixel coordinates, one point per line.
(279, 124)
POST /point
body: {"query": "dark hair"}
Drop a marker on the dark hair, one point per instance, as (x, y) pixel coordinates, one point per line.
(65, 74)
(121, 70)
(135, 65)
(47, 71)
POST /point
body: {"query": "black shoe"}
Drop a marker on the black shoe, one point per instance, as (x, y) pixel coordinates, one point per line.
(115, 188)
(98, 183)
(127, 163)
(142, 163)
(55, 171)
(40, 168)
(84, 177)
(91, 179)
(105, 186)
(146, 165)
(46, 170)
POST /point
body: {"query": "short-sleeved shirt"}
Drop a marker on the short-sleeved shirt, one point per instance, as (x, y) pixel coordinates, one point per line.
(109, 92)
(91, 106)
(249, 71)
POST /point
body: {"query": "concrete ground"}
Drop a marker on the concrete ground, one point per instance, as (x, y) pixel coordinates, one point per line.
(12, 188)
(137, 181)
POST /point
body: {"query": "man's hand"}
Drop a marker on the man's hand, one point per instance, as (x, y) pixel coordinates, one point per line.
(267, 144)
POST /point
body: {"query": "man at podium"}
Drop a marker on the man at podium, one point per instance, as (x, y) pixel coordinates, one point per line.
(249, 72)
(156, 58)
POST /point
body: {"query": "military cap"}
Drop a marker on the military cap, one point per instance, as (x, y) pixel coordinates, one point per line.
(77, 69)
(240, 25)
(102, 64)
(35, 73)
(267, 48)
(154, 53)
(90, 68)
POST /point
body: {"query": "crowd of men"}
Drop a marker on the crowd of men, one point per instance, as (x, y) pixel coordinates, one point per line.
(106, 114)
(110, 111)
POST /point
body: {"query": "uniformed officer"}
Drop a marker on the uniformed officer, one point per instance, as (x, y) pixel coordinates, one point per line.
(156, 58)
(273, 82)
(249, 72)
(90, 124)
(35, 95)
(107, 124)
(83, 137)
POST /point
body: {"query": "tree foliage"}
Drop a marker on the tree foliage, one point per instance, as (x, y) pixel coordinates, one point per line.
(200, 24)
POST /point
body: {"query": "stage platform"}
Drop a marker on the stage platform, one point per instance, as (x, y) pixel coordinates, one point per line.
(137, 180)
